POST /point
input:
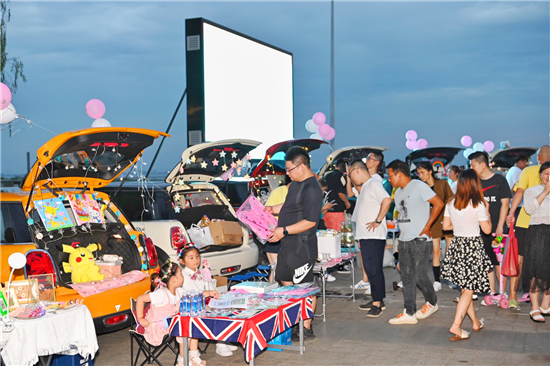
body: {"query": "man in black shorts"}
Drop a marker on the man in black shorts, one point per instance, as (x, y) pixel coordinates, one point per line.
(298, 220)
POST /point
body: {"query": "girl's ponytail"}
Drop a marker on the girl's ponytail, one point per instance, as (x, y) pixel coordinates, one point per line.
(162, 276)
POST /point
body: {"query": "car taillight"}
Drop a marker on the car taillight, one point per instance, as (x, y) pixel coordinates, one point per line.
(230, 269)
(177, 237)
(152, 252)
(39, 262)
(116, 319)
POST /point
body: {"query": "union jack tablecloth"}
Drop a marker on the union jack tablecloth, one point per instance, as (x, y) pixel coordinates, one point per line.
(253, 333)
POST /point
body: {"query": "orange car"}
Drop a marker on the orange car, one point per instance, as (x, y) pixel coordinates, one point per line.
(48, 211)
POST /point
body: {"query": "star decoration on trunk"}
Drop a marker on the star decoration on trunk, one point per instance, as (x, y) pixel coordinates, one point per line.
(222, 154)
(239, 162)
(233, 165)
(193, 159)
(204, 164)
(224, 167)
(215, 162)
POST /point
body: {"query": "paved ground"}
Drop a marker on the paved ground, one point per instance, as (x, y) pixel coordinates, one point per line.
(350, 338)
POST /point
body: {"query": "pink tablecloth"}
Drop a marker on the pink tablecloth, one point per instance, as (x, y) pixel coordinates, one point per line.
(92, 288)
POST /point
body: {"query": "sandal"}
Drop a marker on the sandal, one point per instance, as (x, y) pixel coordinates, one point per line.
(536, 318)
(462, 337)
(545, 312)
(195, 359)
(481, 325)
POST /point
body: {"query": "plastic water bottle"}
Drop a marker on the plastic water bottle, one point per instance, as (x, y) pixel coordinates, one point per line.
(195, 304)
(203, 303)
(186, 304)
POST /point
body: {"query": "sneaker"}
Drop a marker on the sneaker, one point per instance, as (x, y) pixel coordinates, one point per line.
(231, 347)
(343, 269)
(400, 284)
(374, 312)
(513, 304)
(404, 318)
(452, 286)
(484, 303)
(368, 306)
(330, 278)
(223, 350)
(308, 334)
(437, 286)
(474, 297)
(361, 285)
(426, 310)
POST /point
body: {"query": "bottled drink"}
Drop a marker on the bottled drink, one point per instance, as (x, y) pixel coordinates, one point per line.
(195, 303)
(186, 304)
(203, 304)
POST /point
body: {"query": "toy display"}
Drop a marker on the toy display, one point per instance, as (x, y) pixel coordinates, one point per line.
(46, 286)
(82, 264)
(53, 213)
(86, 209)
(25, 291)
(253, 214)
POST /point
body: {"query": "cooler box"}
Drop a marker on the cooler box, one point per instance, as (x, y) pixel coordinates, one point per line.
(226, 232)
(109, 269)
(329, 244)
(285, 338)
(71, 360)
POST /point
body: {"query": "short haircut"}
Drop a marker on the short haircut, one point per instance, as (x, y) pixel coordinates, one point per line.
(323, 183)
(544, 166)
(399, 166)
(298, 155)
(426, 165)
(358, 164)
(456, 169)
(378, 156)
(522, 157)
(480, 157)
(340, 164)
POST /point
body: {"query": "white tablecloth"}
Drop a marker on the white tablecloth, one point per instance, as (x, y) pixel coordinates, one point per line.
(71, 329)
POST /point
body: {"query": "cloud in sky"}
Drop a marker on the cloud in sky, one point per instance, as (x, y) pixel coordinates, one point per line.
(444, 69)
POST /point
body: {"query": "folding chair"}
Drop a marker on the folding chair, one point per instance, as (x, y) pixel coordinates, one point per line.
(150, 352)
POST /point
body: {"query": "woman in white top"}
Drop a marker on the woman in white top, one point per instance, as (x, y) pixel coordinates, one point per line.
(536, 276)
(453, 173)
(466, 264)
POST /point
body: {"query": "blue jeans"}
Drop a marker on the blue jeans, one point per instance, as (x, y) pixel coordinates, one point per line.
(414, 258)
(372, 252)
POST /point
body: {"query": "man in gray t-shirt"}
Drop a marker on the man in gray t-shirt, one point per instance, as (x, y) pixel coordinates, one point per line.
(412, 201)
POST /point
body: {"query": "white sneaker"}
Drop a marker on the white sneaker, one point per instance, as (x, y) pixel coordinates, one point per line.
(404, 318)
(232, 347)
(426, 310)
(223, 350)
(330, 278)
(343, 269)
(360, 285)
(367, 290)
(400, 284)
(437, 286)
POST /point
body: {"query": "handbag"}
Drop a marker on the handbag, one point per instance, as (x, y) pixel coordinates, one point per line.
(200, 236)
(510, 263)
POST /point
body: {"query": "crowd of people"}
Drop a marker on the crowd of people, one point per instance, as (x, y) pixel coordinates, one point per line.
(468, 214)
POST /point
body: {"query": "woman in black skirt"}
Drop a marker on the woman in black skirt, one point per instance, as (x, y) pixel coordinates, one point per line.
(536, 275)
(466, 264)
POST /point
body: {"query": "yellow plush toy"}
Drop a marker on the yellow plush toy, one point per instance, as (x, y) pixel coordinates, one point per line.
(82, 264)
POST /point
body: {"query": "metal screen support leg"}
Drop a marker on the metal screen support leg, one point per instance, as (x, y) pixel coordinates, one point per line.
(352, 280)
(302, 348)
(324, 280)
(185, 351)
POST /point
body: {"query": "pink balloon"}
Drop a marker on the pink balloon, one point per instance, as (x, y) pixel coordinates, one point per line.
(319, 119)
(411, 135)
(488, 146)
(422, 144)
(466, 141)
(411, 144)
(95, 108)
(324, 130)
(331, 134)
(5, 96)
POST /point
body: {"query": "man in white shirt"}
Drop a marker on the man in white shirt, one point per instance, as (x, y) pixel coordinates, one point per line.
(512, 176)
(373, 203)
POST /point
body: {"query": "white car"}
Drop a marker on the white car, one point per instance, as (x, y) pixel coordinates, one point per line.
(194, 197)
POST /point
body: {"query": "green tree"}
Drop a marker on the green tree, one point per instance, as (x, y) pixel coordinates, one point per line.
(16, 69)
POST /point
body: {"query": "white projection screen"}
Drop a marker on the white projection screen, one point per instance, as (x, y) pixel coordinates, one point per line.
(248, 89)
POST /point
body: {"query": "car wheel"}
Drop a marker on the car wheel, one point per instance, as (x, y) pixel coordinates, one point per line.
(163, 257)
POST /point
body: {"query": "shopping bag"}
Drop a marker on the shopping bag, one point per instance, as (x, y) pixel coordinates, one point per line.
(510, 263)
(200, 236)
(253, 214)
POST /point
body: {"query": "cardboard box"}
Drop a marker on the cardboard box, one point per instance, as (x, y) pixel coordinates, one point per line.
(221, 284)
(330, 245)
(109, 269)
(226, 232)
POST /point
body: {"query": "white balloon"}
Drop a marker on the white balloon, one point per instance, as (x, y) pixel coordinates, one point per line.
(478, 146)
(7, 114)
(101, 122)
(467, 152)
(311, 126)
(316, 136)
